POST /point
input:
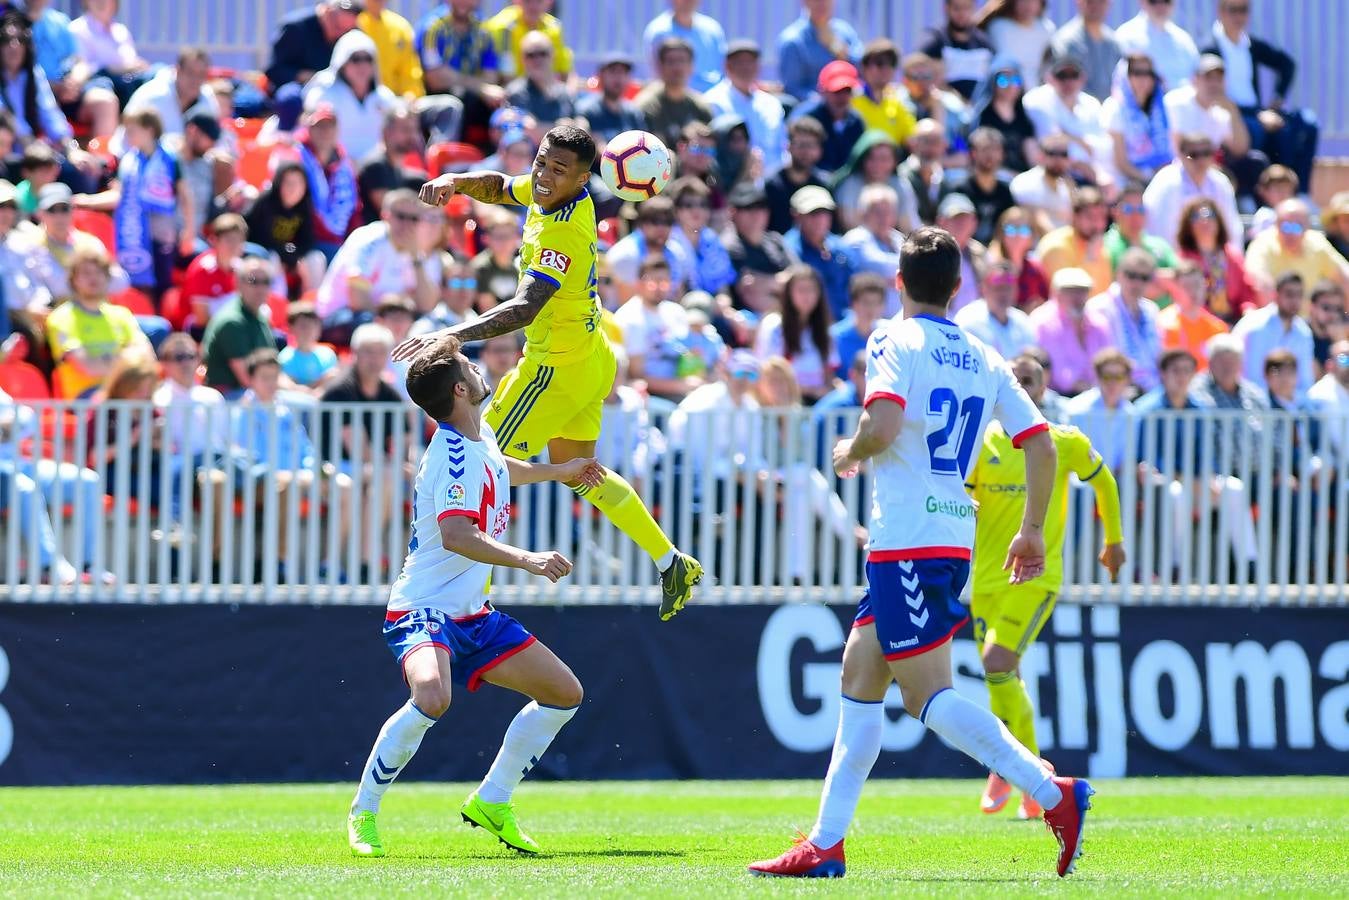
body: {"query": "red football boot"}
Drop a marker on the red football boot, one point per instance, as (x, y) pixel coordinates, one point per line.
(803, 860)
(1067, 820)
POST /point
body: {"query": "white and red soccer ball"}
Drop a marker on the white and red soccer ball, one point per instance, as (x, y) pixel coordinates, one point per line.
(636, 165)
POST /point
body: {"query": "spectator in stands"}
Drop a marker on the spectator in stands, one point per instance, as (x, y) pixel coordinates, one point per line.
(696, 157)
(924, 170)
(376, 260)
(176, 93)
(1069, 332)
(1153, 34)
(739, 93)
(1292, 246)
(539, 91)
(282, 221)
(1292, 462)
(1331, 396)
(998, 107)
(736, 160)
(458, 295)
(83, 98)
(333, 189)
(351, 88)
(493, 271)
(306, 362)
(811, 241)
(1060, 106)
(963, 48)
(499, 356)
(9, 149)
(986, 185)
(1127, 232)
(810, 43)
(515, 22)
(383, 169)
(756, 253)
(20, 280)
(195, 418)
(667, 102)
(805, 146)
(1287, 136)
(655, 332)
(1046, 191)
(396, 313)
(874, 161)
(1013, 240)
(54, 248)
(27, 95)
(1203, 238)
(957, 215)
(1133, 318)
(131, 377)
(711, 266)
(209, 283)
(1082, 243)
(800, 332)
(1052, 404)
(1019, 29)
(88, 333)
(655, 222)
(400, 66)
(106, 45)
(1088, 38)
(926, 100)
(717, 440)
(1104, 413)
(1202, 106)
(703, 33)
(866, 313)
(1278, 326)
(880, 101)
(994, 318)
(1327, 320)
(608, 111)
(1192, 175)
(459, 58)
(1135, 118)
(238, 328)
(305, 40)
(1335, 222)
(1186, 324)
(209, 173)
(1275, 185)
(874, 243)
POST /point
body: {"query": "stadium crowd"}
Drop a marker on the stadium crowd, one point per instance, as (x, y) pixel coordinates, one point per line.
(1133, 210)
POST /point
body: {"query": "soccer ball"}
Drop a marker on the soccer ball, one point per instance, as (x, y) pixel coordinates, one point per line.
(636, 165)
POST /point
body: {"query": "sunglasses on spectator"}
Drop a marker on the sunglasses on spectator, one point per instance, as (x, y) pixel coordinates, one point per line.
(1006, 80)
(407, 217)
(1334, 308)
(59, 209)
(1159, 2)
(255, 279)
(700, 150)
(460, 284)
(1115, 375)
(1292, 229)
(1067, 74)
(361, 58)
(660, 223)
(182, 357)
(1342, 360)
(746, 374)
(1202, 215)
(692, 204)
(538, 54)
(1236, 10)
(1017, 230)
(1131, 209)
(9, 205)
(1056, 154)
(1142, 73)
(1200, 153)
(919, 76)
(1137, 276)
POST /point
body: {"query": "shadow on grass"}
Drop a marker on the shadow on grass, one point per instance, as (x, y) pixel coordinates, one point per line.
(507, 857)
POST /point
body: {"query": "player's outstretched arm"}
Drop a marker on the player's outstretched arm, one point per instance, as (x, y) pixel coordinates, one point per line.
(512, 315)
(579, 471)
(1108, 506)
(1026, 554)
(487, 187)
(461, 534)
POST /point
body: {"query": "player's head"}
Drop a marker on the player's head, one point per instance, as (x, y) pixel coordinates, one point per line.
(562, 165)
(441, 380)
(1030, 375)
(929, 268)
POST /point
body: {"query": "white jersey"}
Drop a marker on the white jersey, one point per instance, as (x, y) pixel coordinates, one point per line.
(457, 477)
(950, 385)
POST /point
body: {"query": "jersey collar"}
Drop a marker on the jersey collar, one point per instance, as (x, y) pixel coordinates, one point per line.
(938, 319)
(579, 197)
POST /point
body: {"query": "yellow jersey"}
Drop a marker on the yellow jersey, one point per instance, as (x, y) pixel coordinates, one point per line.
(559, 247)
(998, 485)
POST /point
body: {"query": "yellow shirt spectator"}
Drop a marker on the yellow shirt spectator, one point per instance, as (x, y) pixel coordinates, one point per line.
(1063, 249)
(509, 28)
(888, 113)
(95, 335)
(1267, 258)
(400, 68)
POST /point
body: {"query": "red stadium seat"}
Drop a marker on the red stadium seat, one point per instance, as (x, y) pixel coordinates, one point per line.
(255, 164)
(447, 153)
(24, 381)
(98, 224)
(135, 301)
(174, 307)
(247, 129)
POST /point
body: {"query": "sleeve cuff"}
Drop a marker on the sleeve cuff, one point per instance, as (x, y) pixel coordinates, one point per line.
(884, 395)
(545, 276)
(471, 513)
(1096, 471)
(1029, 433)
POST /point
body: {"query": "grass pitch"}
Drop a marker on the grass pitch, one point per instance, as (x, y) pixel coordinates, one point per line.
(1145, 837)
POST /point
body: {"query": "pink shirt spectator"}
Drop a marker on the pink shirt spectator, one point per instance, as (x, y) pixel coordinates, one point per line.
(1069, 355)
(104, 48)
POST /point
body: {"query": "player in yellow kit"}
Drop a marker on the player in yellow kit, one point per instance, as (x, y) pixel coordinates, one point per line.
(554, 398)
(1008, 617)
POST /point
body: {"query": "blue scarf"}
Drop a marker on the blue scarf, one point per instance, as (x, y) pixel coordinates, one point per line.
(1147, 135)
(335, 200)
(147, 184)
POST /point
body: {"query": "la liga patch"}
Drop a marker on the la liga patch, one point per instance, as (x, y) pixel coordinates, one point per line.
(456, 494)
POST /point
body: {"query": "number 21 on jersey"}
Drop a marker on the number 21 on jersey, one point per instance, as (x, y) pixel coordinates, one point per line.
(951, 444)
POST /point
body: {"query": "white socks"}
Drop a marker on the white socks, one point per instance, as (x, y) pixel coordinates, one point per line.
(666, 560)
(856, 747)
(531, 731)
(977, 732)
(398, 740)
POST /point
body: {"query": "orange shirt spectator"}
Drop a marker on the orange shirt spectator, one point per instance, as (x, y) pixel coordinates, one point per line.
(1186, 324)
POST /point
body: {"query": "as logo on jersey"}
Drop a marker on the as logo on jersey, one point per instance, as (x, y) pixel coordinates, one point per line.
(552, 259)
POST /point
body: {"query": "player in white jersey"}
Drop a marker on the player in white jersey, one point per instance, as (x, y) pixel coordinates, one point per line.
(931, 391)
(440, 623)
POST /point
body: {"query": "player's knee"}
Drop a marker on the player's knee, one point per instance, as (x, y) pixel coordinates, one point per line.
(914, 700)
(565, 694)
(432, 696)
(999, 660)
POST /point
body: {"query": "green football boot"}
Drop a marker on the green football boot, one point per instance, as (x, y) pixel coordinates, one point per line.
(363, 835)
(497, 819)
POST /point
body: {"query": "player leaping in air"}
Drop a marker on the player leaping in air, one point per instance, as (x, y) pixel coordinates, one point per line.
(440, 624)
(931, 390)
(554, 398)
(1008, 617)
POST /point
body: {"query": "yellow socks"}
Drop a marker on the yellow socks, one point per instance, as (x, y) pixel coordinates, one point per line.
(621, 505)
(1009, 700)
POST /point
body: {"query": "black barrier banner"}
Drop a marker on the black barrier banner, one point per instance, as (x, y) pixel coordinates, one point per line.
(146, 694)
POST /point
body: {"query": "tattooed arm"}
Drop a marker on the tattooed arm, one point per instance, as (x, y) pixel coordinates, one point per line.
(487, 187)
(512, 315)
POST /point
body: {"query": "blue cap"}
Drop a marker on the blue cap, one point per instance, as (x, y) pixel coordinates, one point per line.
(507, 116)
(289, 103)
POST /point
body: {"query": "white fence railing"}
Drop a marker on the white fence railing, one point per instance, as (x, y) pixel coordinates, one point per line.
(1226, 508)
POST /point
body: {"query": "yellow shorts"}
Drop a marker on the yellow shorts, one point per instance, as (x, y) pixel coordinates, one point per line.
(1011, 618)
(535, 403)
